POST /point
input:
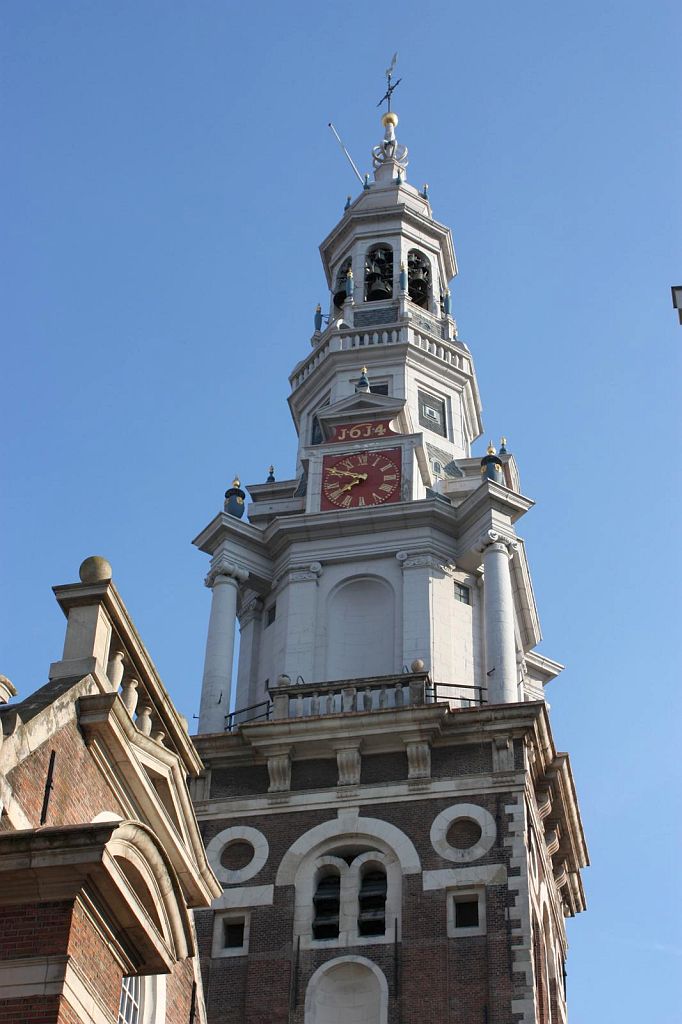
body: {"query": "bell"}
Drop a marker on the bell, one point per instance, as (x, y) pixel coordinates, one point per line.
(419, 292)
(377, 290)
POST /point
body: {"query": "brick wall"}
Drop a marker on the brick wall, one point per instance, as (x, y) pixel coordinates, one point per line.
(40, 929)
(461, 980)
(79, 791)
(35, 1010)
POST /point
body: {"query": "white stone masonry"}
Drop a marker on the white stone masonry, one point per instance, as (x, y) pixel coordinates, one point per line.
(498, 604)
(224, 579)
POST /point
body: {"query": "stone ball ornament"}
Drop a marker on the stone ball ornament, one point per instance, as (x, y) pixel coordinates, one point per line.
(418, 665)
(95, 569)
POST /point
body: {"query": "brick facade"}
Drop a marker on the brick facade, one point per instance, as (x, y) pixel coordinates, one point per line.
(100, 855)
(493, 976)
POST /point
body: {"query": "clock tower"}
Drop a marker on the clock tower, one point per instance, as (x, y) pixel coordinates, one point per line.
(394, 829)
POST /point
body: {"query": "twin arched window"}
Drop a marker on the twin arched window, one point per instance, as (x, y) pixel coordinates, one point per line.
(350, 893)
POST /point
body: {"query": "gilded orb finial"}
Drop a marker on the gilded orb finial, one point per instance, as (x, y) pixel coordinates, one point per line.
(491, 448)
(236, 482)
(390, 117)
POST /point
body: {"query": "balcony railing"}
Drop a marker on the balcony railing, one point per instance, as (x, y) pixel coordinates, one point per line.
(309, 700)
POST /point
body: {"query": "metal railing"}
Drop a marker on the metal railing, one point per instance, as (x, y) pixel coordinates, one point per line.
(252, 713)
(472, 697)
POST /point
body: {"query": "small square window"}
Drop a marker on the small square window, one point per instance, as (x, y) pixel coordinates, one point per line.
(230, 934)
(462, 593)
(233, 934)
(466, 912)
(432, 413)
(379, 389)
(270, 615)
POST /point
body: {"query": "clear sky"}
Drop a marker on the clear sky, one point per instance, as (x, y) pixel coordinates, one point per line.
(167, 178)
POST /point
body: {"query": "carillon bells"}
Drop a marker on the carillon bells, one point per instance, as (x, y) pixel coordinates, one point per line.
(419, 276)
(379, 275)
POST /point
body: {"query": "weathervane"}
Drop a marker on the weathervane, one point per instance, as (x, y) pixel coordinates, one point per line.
(391, 87)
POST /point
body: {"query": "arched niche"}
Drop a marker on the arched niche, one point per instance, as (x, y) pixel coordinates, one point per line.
(360, 629)
(344, 983)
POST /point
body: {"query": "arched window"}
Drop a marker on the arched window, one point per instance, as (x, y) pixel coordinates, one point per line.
(327, 903)
(418, 278)
(340, 286)
(372, 901)
(379, 273)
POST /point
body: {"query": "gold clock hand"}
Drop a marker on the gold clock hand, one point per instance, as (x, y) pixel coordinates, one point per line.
(344, 472)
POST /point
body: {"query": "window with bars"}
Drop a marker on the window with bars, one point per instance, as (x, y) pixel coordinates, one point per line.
(129, 1010)
(462, 593)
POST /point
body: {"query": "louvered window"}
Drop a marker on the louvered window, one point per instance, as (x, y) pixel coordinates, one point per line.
(372, 900)
(326, 902)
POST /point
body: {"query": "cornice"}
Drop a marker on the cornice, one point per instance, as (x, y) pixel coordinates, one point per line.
(354, 221)
(489, 495)
(142, 666)
(105, 721)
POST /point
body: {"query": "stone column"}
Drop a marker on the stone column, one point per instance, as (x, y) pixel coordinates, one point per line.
(224, 579)
(498, 614)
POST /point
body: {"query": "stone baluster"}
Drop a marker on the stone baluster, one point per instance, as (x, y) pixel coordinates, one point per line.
(348, 698)
(129, 694)
(116, 668)
(144, 719)
(315, 704)
(383, 697)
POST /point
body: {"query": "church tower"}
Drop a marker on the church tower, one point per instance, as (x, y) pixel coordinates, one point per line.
(396, 835)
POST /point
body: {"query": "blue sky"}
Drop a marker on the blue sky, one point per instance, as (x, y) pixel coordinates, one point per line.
(167, 178)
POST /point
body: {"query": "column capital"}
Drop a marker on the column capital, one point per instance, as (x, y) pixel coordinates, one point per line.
(500, 541)
(419, 561)
(222, 566)
(306, 573)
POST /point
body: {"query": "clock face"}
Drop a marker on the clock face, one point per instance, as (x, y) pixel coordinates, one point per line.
(361, 479)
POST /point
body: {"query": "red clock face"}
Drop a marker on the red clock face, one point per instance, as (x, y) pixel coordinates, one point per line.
(361, 479)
